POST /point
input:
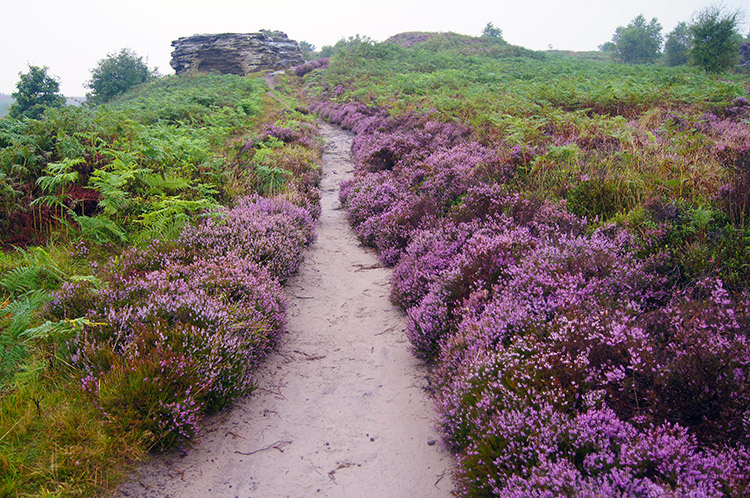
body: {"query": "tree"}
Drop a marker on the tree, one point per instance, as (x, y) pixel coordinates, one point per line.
(308, 50)
(716, 41)
(116, 74)
(491, 31)
(677, 46)
(345, 43)
(745, 56)
(639, 42)
(36, 91)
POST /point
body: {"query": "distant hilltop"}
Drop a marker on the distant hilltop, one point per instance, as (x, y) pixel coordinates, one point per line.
(235, 53)
(493, 46)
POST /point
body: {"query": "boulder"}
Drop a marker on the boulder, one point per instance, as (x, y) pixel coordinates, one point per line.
(235, 53)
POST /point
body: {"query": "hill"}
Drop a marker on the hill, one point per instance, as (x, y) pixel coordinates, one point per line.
(454, 43)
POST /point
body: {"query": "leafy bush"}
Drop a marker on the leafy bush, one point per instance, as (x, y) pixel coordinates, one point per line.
(36, 92)
(715, 38)
(639, 41)
(140, 165)
(116, 74)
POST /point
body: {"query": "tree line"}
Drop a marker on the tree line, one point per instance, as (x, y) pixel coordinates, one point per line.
(113, 75)
(711, 41)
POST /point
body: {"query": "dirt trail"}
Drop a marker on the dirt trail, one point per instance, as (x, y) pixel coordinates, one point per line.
(341, 410)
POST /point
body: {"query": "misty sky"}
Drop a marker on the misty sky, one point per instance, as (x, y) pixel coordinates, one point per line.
(70, 36)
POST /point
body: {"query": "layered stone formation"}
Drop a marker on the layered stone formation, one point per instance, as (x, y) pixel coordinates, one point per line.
(235, 53)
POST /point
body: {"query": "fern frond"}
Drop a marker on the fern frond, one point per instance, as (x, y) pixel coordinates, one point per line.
(20, 312)
(21, 279)
(158, 184)
(99, 229)
(169, 216)
(59, 174)
(63, 329)
(87, 278)
(37, 271)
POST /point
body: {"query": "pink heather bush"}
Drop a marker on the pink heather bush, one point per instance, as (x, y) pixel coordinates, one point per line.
(215, 319)
(309, 66)
(543, 452)
(270, 232)
(297, 133)
(203, 293)
(566, 362)
(426, 258)
(181, 326)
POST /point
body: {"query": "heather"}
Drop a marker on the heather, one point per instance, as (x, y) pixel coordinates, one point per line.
(569, 242)
(158, 230)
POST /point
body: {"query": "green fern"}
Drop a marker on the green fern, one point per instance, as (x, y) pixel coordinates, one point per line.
(63, 329)
(271, 180)
(163, 184)
(19, 313)
(99, 229)
(15, 318)
(168, 217)
(113, 183)
(36, 271)
(59, 175)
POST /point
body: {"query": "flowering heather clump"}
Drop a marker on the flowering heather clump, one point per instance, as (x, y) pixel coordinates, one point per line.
(203, 293)
(449, 173)
(178, 328)
(72, 300)
(406, 140)
(298, 133)
(428, 255)
(309, 66)
(170, 344)
(483, 257)
(566, 363)
(270, 232)
(543, 452)
(550, 332)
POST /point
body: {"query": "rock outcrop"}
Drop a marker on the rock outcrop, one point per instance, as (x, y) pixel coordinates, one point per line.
(235, 53)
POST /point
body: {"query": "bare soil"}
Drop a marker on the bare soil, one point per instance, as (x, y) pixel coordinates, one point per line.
(341, 409)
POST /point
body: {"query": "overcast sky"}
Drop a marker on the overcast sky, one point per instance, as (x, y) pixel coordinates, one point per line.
(70, 36)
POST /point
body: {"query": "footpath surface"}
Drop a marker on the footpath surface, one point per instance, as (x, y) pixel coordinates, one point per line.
(341, 409)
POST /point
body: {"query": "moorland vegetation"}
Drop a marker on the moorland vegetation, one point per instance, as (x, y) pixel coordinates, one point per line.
(570, 242)
(145, 244)
(569, 235)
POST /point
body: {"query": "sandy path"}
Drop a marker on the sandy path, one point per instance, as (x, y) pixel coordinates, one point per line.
(341, 410)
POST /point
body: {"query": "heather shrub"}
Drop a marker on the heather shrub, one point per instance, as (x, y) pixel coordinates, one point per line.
(310, 66)
(428, 255)
(271, 232)
(482, 259)
(551, 332)
(449, 173)
(542, 217)
(72, 300)
(404, 141)
(168, 345)
(396, 226)
(370, 197)
(702, 373)
(224, 292)
(539, 451)
(150, 391)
